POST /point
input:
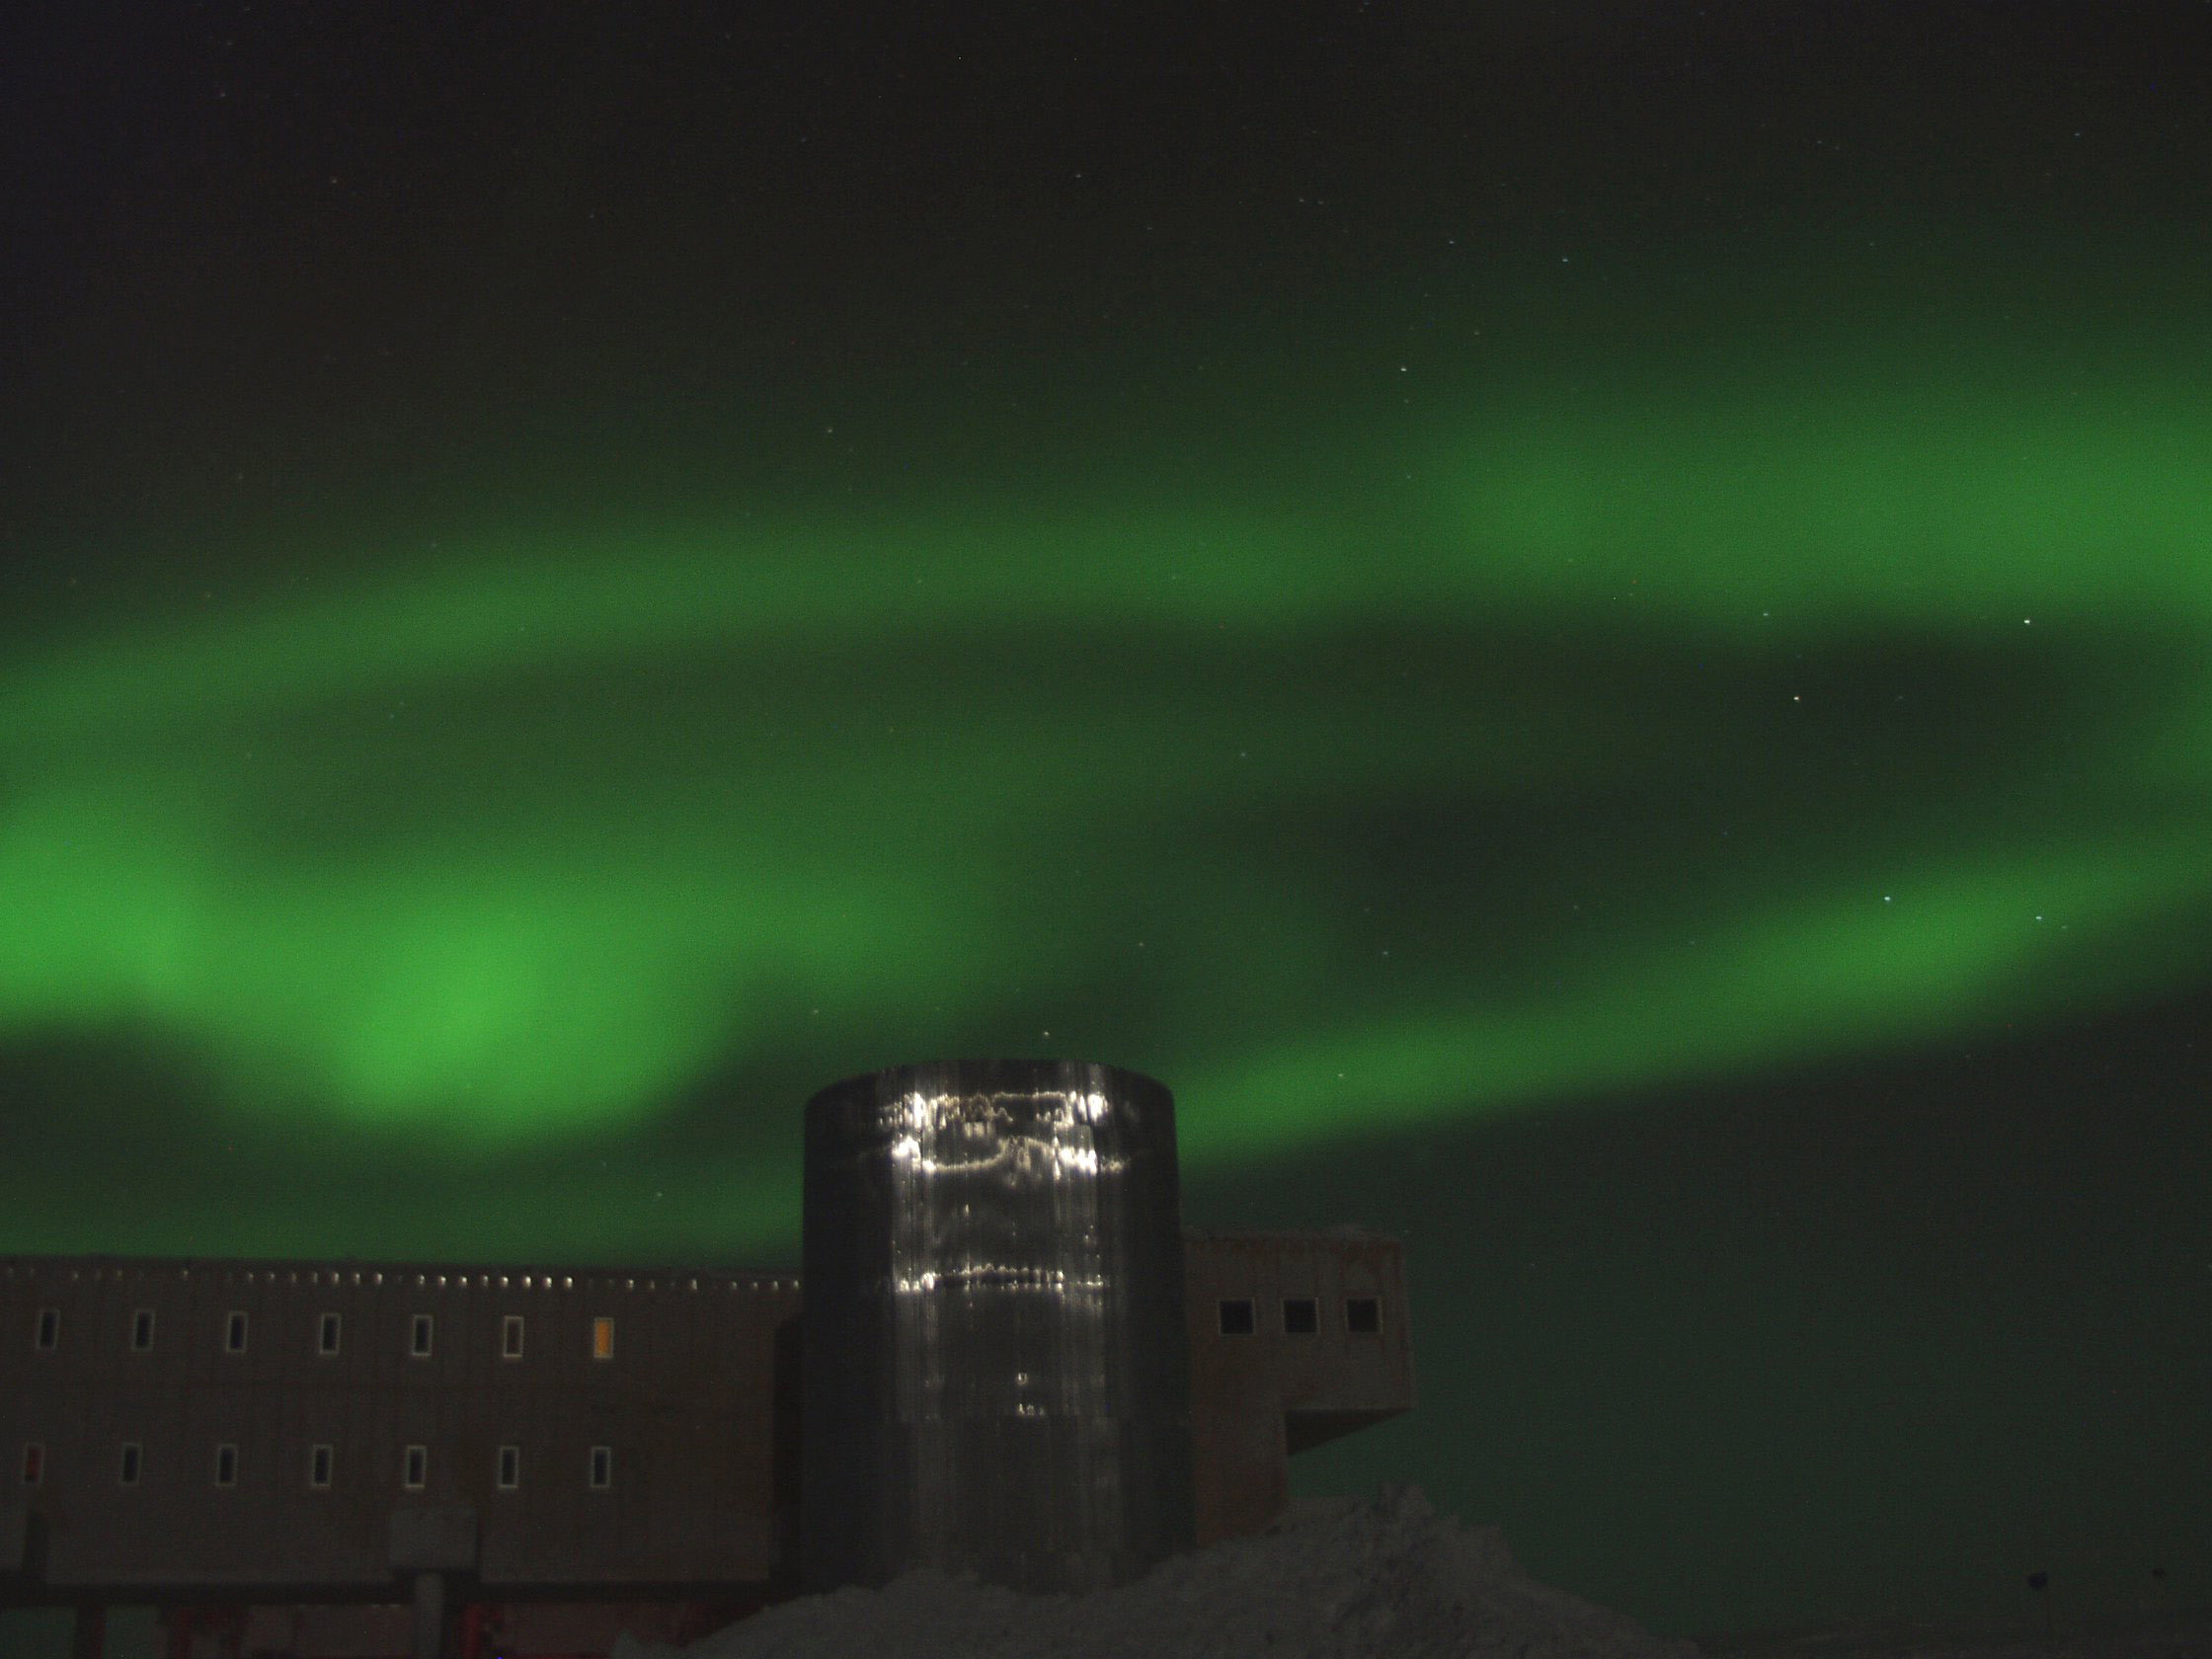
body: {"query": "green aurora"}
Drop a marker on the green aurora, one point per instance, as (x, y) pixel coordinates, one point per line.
(1543, 739)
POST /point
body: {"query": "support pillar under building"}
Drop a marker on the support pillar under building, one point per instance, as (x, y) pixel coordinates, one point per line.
(430, 1617)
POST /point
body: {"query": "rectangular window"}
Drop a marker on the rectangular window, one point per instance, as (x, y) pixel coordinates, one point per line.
(418, 1468)
(328, 1338)
(50, 1326)
(420, 1342)
(129, 1471)
(226, 1465)
(234, 1338)
(602, 1339)
(1363, 1315)
(510, 1337)
(318, 1468)
(33, 1463)
(1301, 1315)
(603, 1466)
(142, 1329)
(1237, 1316)
(511, 1467)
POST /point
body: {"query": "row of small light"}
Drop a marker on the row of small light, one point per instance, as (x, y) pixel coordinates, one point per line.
(989, 1277)
(423, 1281)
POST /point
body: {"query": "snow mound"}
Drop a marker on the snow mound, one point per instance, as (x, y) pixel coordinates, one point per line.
(1344, 1578)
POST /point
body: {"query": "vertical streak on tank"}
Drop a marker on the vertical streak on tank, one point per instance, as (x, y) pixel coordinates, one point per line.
(996, 1372)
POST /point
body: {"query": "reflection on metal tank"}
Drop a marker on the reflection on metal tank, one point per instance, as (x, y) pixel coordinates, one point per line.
(995, 1372)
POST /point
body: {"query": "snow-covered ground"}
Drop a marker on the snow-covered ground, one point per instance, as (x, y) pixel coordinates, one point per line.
(1382, 1578)
(2169, 1638)
(1342, 1579)
(1347, 1578)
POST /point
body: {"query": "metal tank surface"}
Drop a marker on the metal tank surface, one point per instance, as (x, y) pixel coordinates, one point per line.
(996, 1372)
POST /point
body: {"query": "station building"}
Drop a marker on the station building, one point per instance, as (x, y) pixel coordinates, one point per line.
(344, 1459)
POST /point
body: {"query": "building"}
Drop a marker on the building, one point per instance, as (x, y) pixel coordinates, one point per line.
(314, 1458)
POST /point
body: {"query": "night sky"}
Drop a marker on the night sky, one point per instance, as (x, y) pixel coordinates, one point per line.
(1588, 625)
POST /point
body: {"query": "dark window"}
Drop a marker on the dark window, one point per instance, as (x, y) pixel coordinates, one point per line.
(131, 1464)
(318, 1467)
(226, 1465)
(33, 1463)
(510, 1466)
(1301, 1315)
(329, 1336)
(418, 1467)
(234, 1339)
(1237, 1316)
(510, 1337)
(422, 1339)
(602, 1465)
(50, 1326)
(142, 1329)
(1363, 1315)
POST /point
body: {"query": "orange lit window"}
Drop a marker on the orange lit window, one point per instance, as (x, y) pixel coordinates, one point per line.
(602, 1339)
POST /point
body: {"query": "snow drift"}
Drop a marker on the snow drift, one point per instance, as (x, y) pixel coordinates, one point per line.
(1344, 1578)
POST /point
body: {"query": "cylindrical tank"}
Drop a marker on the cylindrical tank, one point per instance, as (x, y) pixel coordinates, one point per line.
(995, 1370)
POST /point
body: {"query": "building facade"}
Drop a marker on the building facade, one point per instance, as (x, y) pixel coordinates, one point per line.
(278, 1452)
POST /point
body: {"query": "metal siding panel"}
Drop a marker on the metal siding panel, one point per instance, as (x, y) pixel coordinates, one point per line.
(374, 1334)
(295, 1510)
(395, 1335)
(19, 1330)
(362, 1475)
(482, 1353)
(22, 1390)
(73, 1410)
(269, 1333)
(506, 1420)
(694, 1404)
(82, 1473)
(646, 1492)
(201, 1331)
(206, 1416)
(735, 1478)
(414, 1423)
(1233, 1398)
(689, 1403)
(100, 1327)
(164, 1506)
(559, 1409)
